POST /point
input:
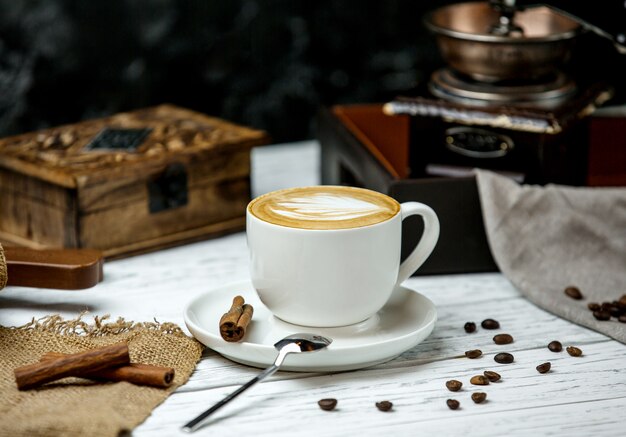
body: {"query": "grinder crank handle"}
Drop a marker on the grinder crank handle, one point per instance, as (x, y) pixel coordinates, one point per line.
(68, 269)
(607, 20)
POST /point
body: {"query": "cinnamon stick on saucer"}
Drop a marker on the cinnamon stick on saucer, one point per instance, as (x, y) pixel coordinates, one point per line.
(33, 375)
(135, 373)
(233, 324)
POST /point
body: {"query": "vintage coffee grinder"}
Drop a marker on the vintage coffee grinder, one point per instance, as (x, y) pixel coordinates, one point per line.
(506, 99)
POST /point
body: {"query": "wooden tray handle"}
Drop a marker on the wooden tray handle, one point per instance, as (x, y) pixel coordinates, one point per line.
(68, 269)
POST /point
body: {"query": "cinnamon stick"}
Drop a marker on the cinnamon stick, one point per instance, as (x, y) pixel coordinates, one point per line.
(233, 324)
(135, 373)
(33, 375)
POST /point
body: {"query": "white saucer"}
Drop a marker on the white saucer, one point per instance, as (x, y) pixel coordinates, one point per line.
(406, 320)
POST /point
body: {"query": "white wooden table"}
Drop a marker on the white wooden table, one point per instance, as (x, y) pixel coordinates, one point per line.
(583, 396)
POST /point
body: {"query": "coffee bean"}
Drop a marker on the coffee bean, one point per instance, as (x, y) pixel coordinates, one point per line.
(492, 376)
(479, 380)
(453, 404)
(479, 397)
(573, 292)
(615, 311)
(504, 358)
(469, 327)
(503, 339)
(454, 385)
(544, 368)
(555, 346)
(574, 351)
(622, 299)
(622, 318)
(593, 306)
(327, 404)
(490, 324)
(384, 405)
(602, 315)
(474, 353)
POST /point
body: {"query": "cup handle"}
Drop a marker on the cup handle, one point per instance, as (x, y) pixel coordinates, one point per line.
(427, 242)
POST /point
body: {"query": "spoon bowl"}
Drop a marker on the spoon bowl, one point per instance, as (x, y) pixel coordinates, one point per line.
(304, 342)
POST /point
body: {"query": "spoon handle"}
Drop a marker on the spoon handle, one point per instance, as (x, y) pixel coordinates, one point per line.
(198, 421)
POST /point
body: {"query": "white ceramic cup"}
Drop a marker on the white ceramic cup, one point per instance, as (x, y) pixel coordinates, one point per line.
(333, 277)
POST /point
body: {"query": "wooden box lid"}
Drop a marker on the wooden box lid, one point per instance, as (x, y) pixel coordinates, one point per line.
(122, 145)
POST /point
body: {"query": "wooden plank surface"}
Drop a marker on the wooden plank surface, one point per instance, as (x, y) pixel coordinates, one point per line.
(581, 396)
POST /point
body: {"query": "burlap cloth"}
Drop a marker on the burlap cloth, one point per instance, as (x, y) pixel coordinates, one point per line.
(78, 407)
(544, 239)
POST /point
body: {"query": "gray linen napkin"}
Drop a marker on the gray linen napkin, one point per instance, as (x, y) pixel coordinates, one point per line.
(544, 239)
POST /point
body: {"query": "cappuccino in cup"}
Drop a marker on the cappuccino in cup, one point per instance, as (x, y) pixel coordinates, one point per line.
(328, 256)
(324, 208)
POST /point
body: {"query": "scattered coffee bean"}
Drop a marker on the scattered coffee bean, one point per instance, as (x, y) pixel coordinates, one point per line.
(492, 376)
(504, 358)
(479, 397)
(454, 385)
(544, 368)
(605, 306)
(453, 404)
(573, 292)
(606, 310)
(327, 404)
(469, 327)
(490, 324)
(503, 339)
(602, 315)
(474, 353)
(593, 306)
(615, 311)
(574, 351)
(479, 380)
(622, 318)
(555, 346)
(384, 405)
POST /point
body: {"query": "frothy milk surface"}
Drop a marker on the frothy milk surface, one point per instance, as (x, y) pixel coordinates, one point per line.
(324, 207)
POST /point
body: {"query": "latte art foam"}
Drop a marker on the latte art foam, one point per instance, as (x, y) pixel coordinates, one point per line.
(324, 207)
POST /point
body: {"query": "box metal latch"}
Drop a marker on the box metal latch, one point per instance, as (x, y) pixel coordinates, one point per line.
(169, 190)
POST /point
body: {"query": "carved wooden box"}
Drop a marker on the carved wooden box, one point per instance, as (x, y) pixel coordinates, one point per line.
(128, 183)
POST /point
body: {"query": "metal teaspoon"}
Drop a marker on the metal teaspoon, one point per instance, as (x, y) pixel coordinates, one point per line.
(292, 344)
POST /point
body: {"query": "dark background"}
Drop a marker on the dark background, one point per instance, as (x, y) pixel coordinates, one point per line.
(268, 64)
